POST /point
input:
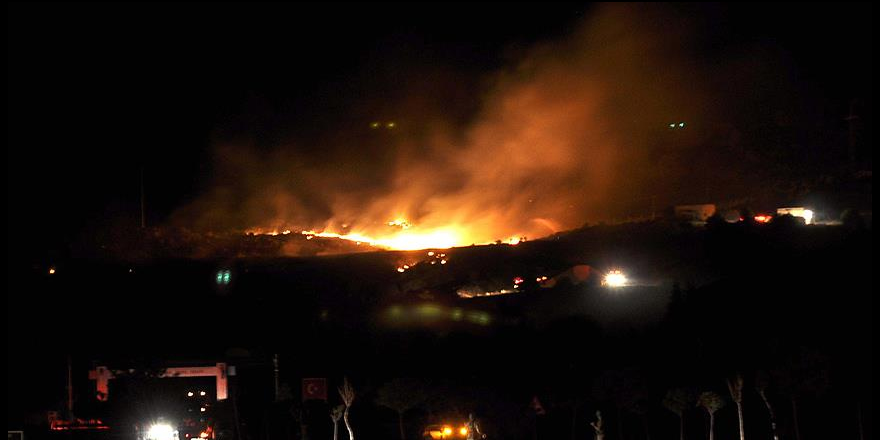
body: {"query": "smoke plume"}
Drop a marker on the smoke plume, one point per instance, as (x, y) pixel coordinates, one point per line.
(571, 131)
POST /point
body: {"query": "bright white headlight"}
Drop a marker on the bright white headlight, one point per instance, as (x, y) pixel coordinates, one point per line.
(615, 279)
(161, 431)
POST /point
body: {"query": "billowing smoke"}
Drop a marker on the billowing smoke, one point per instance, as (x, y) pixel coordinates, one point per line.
(574, 130)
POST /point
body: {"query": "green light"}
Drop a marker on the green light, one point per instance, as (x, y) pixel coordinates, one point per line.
(429, 310)
(457, 314)
(223, 276)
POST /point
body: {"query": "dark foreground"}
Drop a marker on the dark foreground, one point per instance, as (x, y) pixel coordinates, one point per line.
(787, 307)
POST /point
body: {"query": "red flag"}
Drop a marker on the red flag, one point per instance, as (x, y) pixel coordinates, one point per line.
(314, 388)
(536, 405)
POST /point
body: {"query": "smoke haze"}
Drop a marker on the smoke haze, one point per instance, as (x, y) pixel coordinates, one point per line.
(571, 131)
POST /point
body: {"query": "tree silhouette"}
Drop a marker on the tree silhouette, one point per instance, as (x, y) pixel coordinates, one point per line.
(402, 395)
(346, 392)
(598, 426)
(711, 402)
(626, 389)
(335, 415)
(803, 374)
(678, 400)
(762, 382)
(735, 386)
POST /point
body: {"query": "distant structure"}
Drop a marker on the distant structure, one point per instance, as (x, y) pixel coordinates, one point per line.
(695, 214)
(102, 375)
(797, 211)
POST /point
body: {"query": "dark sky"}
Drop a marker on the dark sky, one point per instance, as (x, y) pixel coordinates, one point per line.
(97, 91)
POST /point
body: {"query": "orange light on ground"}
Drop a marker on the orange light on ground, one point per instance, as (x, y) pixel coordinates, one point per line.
(51, 271)
(463, 430)
(447, 430)
(763, 218)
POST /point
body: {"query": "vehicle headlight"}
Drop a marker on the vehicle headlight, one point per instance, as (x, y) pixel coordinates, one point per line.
(463, 430)
(447, 430)
(615, 278)
(161, 431)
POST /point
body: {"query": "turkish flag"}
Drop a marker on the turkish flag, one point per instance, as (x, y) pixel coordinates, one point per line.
(314, 388)
(536, 405)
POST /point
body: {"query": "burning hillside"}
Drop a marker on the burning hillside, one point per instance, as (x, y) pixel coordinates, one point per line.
(400, 236)
(572, 131)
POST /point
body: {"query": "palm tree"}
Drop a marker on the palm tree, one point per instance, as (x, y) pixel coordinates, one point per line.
(678, 400)
(735, 386)
(762, 382)
(346, 392)
(597, 426)
(335, 415)
(626, 389)
(804, 373)
(711, 402)
(402, 395)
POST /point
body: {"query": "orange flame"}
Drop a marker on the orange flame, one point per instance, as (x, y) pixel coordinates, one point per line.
(405, 241)
(406, 237)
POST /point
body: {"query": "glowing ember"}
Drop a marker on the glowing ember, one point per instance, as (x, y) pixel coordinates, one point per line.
(401, 223)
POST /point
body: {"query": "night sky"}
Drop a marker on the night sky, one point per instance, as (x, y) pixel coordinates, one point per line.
(97, 91)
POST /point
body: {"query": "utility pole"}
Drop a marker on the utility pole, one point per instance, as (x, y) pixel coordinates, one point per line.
(143, 203)
(852, 118)
(70, 388)
(277, 379)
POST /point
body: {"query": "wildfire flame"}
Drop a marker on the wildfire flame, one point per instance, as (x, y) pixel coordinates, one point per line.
(406, 241)
(406, 237)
